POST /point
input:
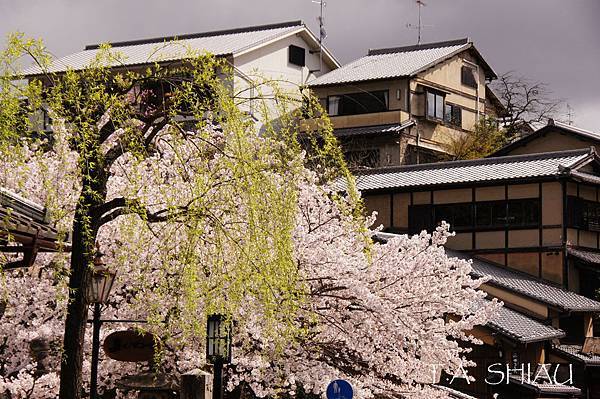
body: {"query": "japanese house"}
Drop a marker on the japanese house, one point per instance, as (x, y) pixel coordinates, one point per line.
(528, 221)
(288, 53)
(406, 105)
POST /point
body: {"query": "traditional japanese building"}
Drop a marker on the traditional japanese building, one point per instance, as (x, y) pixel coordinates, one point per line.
(527, 221)
(287, 53)
(24, 229)
(405, 105)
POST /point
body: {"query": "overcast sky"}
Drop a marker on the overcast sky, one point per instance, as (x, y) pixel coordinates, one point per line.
(554, 41)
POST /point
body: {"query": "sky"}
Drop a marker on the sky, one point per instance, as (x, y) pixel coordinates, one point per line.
(552, 41)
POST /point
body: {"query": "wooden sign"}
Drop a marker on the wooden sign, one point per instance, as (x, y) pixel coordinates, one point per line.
(591, 345)
(129, 346)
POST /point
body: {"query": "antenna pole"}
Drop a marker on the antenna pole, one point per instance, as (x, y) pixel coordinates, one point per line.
(322, 4)
(419, 37)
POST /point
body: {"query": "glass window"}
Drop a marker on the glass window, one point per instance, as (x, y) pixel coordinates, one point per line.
(439, 107)
(333, 105)
(431, 105)
(420, 218)
(359, 103)
(490, 214)
(435, 105)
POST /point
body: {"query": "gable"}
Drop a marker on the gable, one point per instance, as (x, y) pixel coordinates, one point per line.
(553, 140)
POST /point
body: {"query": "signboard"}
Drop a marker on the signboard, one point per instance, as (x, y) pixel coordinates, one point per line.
(129, 346)
(339, 389)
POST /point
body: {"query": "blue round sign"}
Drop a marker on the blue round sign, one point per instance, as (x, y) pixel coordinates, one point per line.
(339, 389)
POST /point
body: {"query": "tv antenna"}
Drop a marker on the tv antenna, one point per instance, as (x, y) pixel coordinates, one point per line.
(322, 33)
(420, 26)
(570, 114)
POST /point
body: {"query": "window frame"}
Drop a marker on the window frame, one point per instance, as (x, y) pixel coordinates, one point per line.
(340, 97)
(298, 51)
(436, 94)
(502, 205)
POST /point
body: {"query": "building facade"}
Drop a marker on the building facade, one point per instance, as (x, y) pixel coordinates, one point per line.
(406, 105)
(528, 221)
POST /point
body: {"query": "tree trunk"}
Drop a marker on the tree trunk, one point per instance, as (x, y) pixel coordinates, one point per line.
(85, 232)
(77, 311)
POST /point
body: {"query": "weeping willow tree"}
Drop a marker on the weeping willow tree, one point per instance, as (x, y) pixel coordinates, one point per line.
(163, 169)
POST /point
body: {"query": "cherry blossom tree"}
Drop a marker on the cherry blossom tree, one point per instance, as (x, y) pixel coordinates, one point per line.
(218, 215)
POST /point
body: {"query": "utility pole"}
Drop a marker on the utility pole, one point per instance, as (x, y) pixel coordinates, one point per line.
(322, 33)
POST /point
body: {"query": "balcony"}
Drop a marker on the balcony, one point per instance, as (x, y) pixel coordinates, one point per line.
(372, 119)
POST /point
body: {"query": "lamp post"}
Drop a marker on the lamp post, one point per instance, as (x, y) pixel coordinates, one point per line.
(218, 349)
(99, 284)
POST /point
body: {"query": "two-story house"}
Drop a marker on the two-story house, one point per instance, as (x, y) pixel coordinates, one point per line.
(529, 221)
(405, 105)
(285, 53)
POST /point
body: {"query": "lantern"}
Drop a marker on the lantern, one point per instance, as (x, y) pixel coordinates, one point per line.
(218, 339)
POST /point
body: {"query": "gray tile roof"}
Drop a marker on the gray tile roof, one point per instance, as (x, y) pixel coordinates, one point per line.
(164, 49)
(25, 221)
(586, 256)
(574, 352)
(530, 286)
(507, 322)
(552, 125)
(373, 130)
(521, 328)
(544, 387)
(477, 170)
(393, 63)
(453, 393)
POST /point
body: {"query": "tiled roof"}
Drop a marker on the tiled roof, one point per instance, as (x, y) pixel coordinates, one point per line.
(551, 126)
(164, 49)
(522, 328)
(530, 286)
(544, 387)
(574, 352)
(586, 256)
(477, 170)
(506, 321)
(398, 62)
(453, 393)
(373, 130)
(25, 221)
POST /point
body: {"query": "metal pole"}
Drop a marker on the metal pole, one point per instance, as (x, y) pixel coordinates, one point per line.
(218, 379)
(95, 352)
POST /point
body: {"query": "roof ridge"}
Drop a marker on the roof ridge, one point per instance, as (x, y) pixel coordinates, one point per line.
(478, 161)
(414, 47)
(255, 28)
(552, 122)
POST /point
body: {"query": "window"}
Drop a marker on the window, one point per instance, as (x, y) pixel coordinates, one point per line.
(297, 55)
(459, 216)
(583, 214)
(420, 217)
(491, 215)
(523, 213)
(435, 105)
(453, 115)
(358, 103)
(467, 77)
(362, 158)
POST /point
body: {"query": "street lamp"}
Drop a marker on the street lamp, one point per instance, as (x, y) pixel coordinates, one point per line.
(98, 285)
(218, 349)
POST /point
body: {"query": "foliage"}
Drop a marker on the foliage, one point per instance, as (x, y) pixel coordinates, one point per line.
(202, 210)
(486, 138)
